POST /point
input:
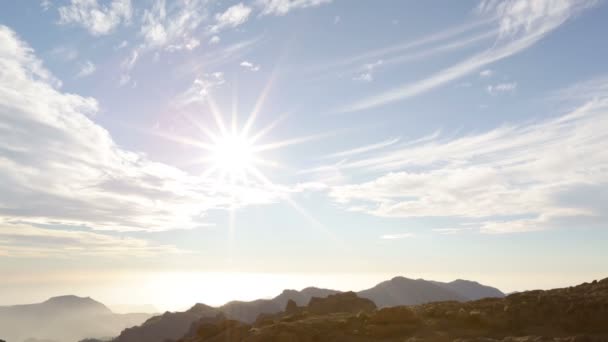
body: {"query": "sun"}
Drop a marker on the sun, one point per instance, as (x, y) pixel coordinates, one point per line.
(232, 150)
(232, 154)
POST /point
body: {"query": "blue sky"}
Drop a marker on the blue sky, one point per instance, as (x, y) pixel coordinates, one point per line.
(290, 143)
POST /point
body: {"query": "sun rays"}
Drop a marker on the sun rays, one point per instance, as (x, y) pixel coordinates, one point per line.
(232, 153)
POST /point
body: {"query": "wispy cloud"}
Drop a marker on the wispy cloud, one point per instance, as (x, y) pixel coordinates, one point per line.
(403, 51)
(512, 178)
(363, 149)
(23, 240)
(250, 66)
(486, 73)
(521, 24)
(217, 58)
(86, 69)
(172, 27)
(507, 87)
(397, 236)
(282, 7)
(214, 40)
(367, 75)
(233, 16)
(95, 18)
(200, 88)
(46, 4)
(65, 53)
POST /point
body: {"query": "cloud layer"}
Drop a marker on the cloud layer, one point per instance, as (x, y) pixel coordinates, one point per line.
(513, 178)
(520, 24)
(59, 167)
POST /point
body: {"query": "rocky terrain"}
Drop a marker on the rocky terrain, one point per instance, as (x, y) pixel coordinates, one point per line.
(577, 313)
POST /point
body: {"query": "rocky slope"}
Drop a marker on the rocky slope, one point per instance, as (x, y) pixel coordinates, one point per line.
(577, 313)
(170, 325)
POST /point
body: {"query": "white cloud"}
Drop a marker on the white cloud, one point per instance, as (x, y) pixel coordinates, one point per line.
(513, 178)
(518, 29)
(363, 149)
(190, 45)
(401, 51)
(214, 40)
(200, 88)
(494, 89)
(397, 236)
(452, 231)
(122, 45)
(65, 53)
(486, 73)
(282, 7)
(367, 75)
(172, 27)
(86, 69)
(18, 239)
(59, 167)
(45, 5)
(129, 62)
(97, 19)
(233, 16)
(337, 19)
(250, 66)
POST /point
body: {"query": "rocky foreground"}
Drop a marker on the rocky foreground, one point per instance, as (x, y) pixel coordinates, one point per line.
(577, 313)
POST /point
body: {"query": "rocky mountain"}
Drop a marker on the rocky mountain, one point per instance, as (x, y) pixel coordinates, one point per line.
(249, 311)
(471, 290)
(65, 318)
(170, 325)
(397, 291)
(173, 325)
(405, 291)
(301, 297)
(571, 314)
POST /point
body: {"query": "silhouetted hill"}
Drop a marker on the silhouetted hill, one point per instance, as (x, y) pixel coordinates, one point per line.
(397, 291)
(301, 297)
(471, 290)
(170, 325)
(65, 318)
(249, 311)
(174, 325)
(567, 315)
(405, 291)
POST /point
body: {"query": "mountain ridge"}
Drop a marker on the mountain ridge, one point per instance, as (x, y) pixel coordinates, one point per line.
(572, 314)
(248, 311)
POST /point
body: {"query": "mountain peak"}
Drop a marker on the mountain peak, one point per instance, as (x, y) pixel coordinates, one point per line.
(202, 309)
(69, 299)
(71, 302)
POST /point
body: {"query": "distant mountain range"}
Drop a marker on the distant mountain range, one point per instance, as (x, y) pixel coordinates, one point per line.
(71, 318)
(394, 292)
(65, 318)
(572, 314)
(405, 291)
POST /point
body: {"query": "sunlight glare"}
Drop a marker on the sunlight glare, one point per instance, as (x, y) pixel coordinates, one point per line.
(232, 154)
